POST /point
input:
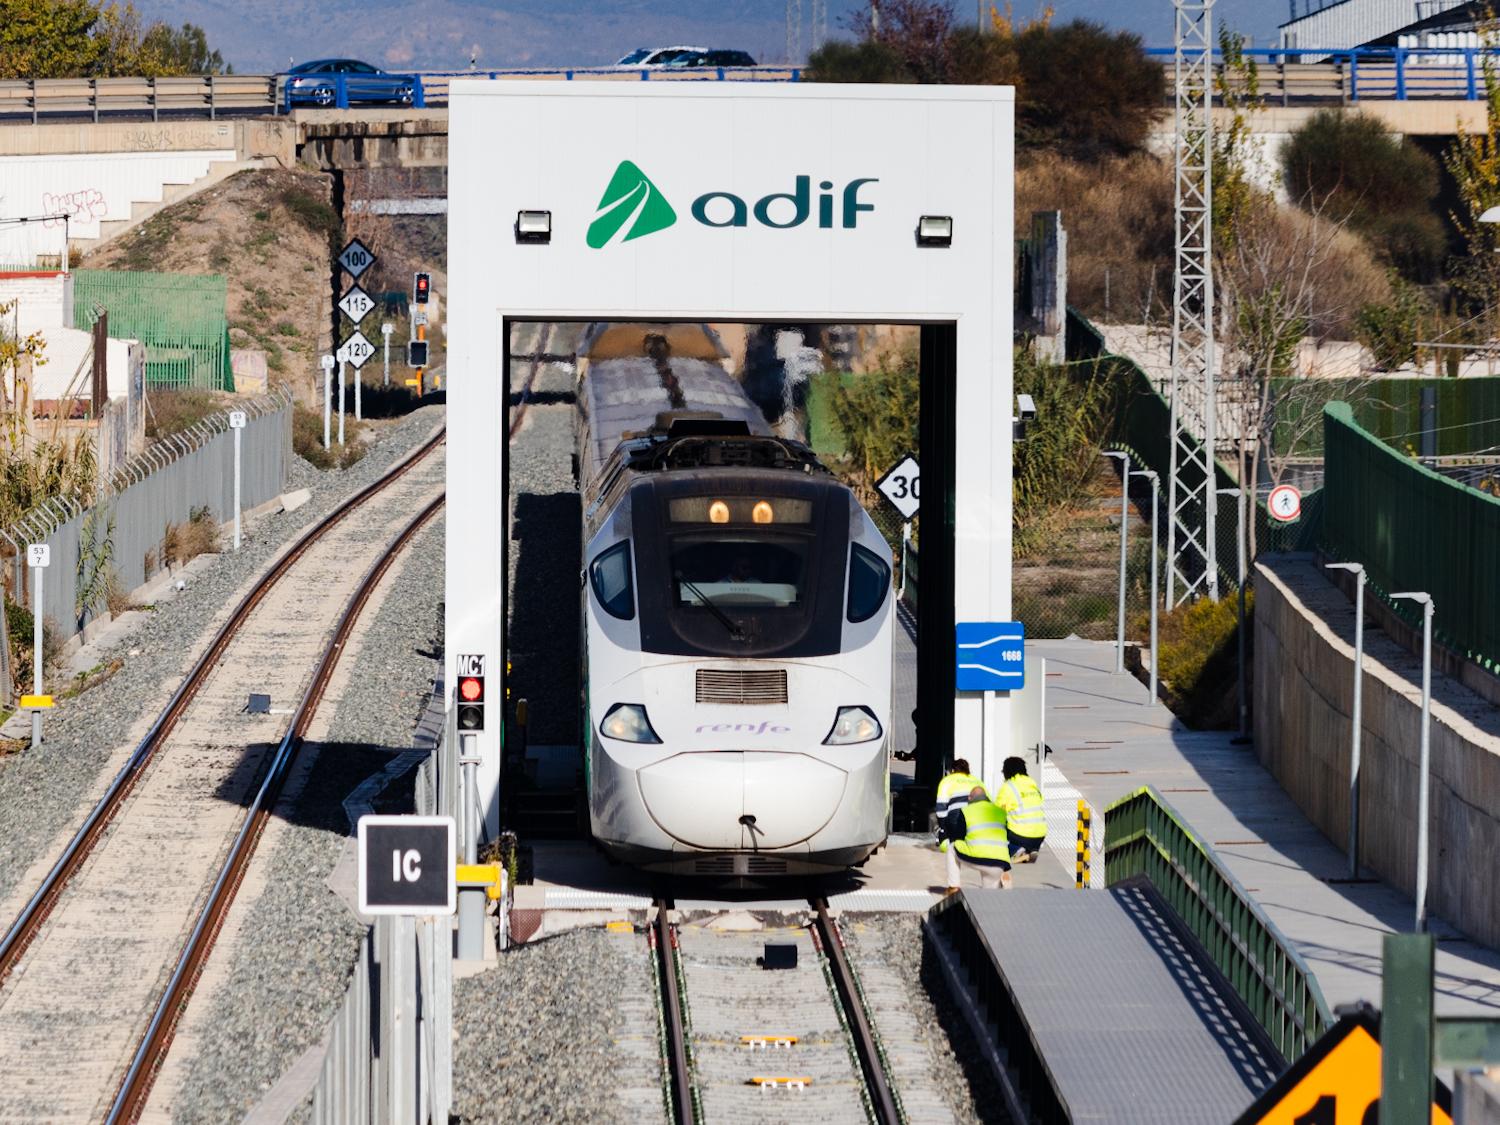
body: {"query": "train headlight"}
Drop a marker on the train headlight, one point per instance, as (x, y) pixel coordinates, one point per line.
(628, 723)
(718, 512)
(853, 725)
(762, 512)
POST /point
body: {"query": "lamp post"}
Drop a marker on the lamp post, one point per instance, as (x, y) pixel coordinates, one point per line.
(1425, 600)
(1357, 721)
(1124, 531)
(1150, 474)
(386, 328)
(1240, 577)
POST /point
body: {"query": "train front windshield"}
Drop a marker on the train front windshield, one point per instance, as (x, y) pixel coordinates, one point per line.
(744, 569)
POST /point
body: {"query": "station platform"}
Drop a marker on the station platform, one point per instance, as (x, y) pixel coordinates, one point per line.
(1107, 742)
(1102, 1010)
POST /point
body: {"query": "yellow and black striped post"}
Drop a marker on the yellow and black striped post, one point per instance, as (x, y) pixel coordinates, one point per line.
(1085, 821)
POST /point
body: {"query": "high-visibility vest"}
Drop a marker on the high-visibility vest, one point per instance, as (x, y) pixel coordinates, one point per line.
(1024, 811)
(985, 838)
(953, 792)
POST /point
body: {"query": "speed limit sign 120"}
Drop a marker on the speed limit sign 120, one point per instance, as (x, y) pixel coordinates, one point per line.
(1284, 503)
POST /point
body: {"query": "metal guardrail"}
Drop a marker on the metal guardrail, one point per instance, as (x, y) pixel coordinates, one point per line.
(215, 94)
(1144, 837)
(1292, 77)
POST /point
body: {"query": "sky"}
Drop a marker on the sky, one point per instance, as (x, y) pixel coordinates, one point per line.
(257, 36)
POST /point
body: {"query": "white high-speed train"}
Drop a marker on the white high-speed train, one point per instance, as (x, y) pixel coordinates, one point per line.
(737, 610)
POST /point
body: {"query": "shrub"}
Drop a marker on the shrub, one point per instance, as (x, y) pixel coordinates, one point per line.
(837, 61)
(307, 440)
(1197, 651)
(171, 412)
(1390, 329)
(1347, 164)
(1087, 89)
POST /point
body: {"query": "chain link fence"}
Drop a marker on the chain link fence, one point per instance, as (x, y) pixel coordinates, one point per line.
(1066, 573)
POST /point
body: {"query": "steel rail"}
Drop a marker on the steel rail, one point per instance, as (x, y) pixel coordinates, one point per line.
(130, 1100)
(536, 358)
(883, 1103)
(26, 924)
(679, 1072)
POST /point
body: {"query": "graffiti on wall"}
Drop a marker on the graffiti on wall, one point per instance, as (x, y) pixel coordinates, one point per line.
(83, 205)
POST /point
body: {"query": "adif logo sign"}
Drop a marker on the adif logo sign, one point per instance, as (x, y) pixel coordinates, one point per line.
(632, 207)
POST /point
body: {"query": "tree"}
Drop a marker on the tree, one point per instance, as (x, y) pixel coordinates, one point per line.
(1473, 160)
(1086, 88)
(1348, 164)
(92, 39)
(878, 413)
(185, 50)
(916, 31)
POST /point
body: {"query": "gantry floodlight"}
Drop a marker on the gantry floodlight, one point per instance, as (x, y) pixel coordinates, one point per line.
(534, 226)
(935, 230)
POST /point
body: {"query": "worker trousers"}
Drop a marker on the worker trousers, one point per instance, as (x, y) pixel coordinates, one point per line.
(989, 877)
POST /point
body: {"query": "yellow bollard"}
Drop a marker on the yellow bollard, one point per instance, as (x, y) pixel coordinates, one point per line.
(1085, 820)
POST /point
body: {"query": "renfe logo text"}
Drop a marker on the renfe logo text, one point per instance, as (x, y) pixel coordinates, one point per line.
(767, 727)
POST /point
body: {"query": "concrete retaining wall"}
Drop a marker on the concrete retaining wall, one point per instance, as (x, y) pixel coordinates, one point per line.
(1304, 659)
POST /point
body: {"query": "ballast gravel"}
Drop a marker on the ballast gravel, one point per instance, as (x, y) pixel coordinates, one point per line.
(44, 791)
(563, 1030)
(935, 1062)
(299, 945)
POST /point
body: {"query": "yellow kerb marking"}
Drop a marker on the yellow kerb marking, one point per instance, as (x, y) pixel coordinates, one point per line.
(36, 701)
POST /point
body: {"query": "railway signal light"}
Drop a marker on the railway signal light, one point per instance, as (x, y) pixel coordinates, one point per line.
(416, 353)
(470, 703)
(421, 288)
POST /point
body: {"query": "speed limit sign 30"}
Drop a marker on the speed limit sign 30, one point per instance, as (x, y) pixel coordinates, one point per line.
(1284, 503)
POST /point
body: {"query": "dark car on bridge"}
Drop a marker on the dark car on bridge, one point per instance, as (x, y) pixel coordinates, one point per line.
(712, 58)
(318, 83)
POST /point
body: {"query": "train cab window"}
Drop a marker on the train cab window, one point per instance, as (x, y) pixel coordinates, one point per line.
(748, 573)
(610, 576)
(869, 582)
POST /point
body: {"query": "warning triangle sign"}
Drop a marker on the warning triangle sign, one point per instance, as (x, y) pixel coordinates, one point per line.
(1336, 1082)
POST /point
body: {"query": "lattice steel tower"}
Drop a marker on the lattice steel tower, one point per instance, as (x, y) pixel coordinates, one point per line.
(793, 32)
(1191, 565)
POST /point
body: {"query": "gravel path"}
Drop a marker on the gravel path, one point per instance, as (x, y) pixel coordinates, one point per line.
(546, 518)
(45, 791)
(564, 1030)
(300, 942)
(935, 1063)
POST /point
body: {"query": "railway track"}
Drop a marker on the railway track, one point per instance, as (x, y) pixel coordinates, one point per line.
(107, 949)
(823, 1051)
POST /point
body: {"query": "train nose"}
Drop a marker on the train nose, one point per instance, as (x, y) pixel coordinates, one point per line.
(741, 800)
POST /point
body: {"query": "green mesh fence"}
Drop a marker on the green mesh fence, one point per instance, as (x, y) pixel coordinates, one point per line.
(179, 317)
(1414, 529)
(1467, 412)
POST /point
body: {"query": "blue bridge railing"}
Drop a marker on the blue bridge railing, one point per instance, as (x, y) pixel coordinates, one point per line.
(1365, 73)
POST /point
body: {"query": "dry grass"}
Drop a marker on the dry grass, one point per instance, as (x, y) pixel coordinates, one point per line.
(1118, 214)
(199, 535)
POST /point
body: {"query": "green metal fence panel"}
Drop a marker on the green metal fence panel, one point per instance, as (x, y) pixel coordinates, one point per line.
(1144, 837)
(1414, 529)
(179, 317)
(1468, 412)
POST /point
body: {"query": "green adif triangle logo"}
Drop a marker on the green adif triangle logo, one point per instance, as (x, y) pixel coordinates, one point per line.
(631, 198)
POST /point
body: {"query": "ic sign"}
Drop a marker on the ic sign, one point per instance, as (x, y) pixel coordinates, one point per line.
(406, 865)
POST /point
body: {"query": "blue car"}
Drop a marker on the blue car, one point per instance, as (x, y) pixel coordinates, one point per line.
(317, 83)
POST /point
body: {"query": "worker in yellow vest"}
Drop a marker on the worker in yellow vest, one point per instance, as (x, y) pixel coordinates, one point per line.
(976, 833)
(1025, 816)
(953, 793)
